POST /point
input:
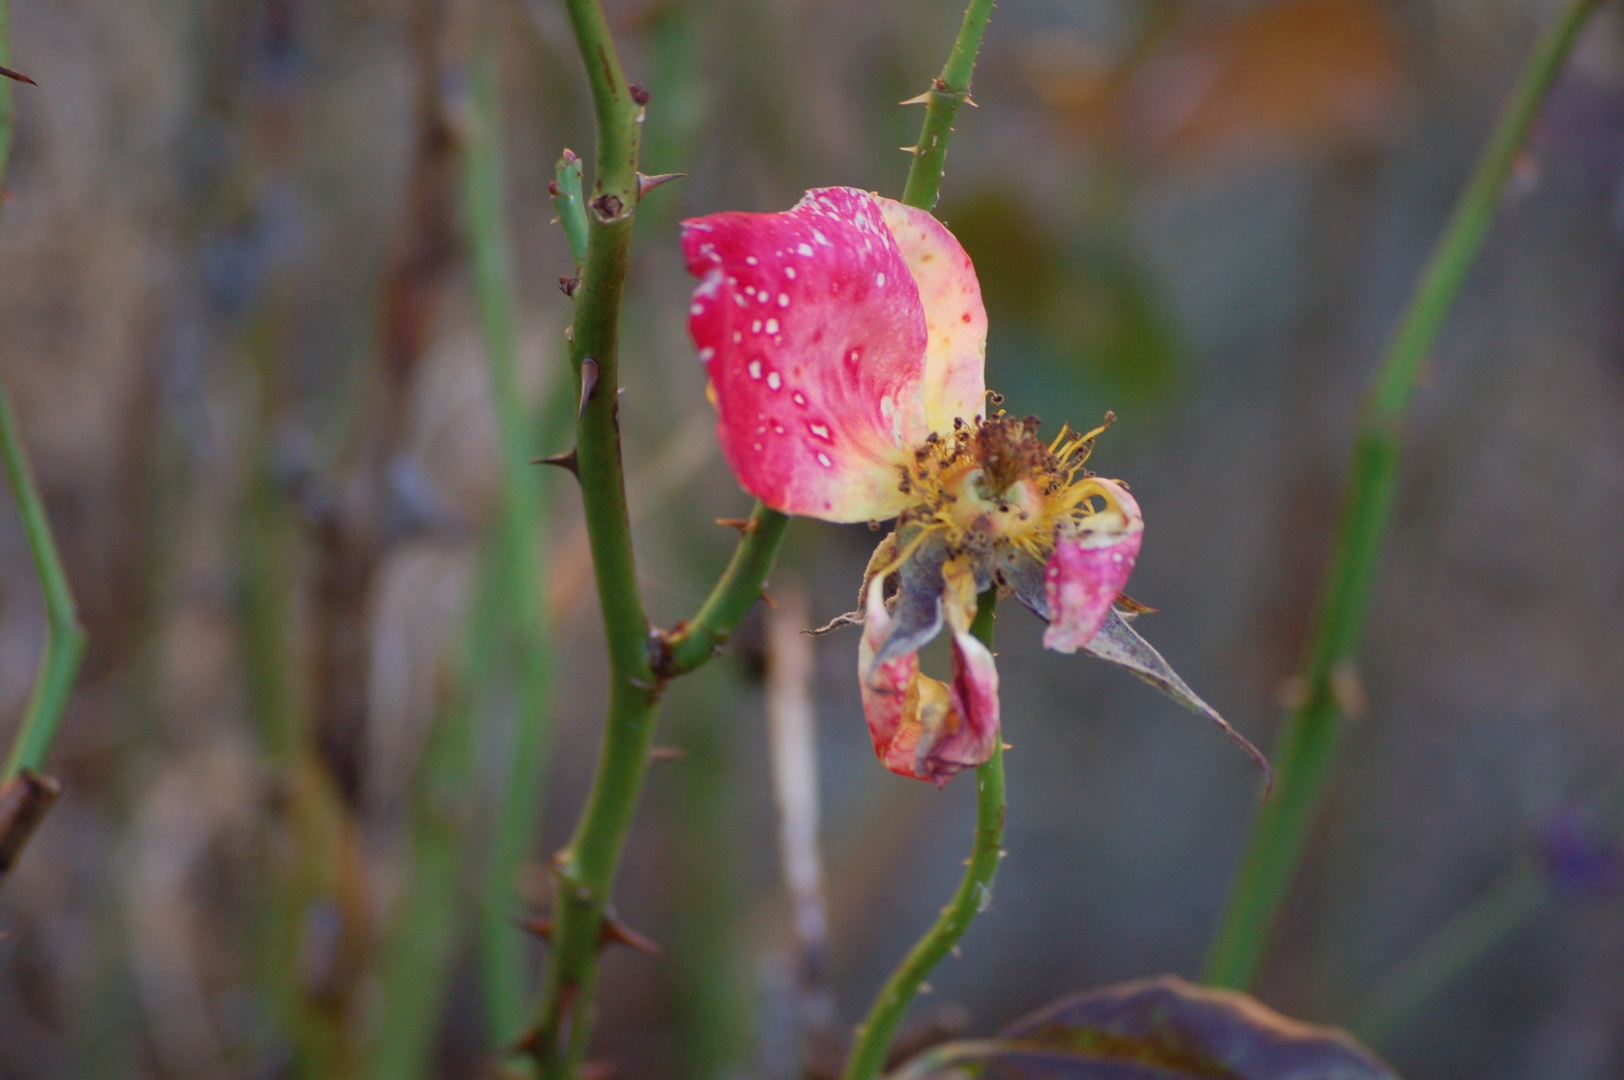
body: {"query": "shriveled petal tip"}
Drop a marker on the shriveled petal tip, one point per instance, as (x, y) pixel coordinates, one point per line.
(811, 329)
(922, 727)
(955, 318)
(1090, 565)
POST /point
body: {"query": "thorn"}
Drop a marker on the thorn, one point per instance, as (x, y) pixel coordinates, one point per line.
(542, 928)
(24, 801)
(646, 184)
(666, 753)
(970, 101)
(616, 932)
(909, 149)
(589, 383)
(769, 601)
(19, 76)
(922, 99)
(1008, 746)
(566, 460)
(567, 285)
(639, 93)
(607, 207)
(926, 988)
(958, 953)
(746, 526)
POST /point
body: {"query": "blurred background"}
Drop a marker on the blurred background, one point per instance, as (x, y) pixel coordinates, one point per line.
(324, 743)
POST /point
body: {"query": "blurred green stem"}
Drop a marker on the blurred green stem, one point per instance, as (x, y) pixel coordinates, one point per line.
(974, 894)
(1462, 941)
(1313, 732)
(947, 92)
(519, 558)
(64, 637)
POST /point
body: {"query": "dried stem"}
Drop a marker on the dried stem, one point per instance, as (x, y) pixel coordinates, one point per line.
(1314, 730)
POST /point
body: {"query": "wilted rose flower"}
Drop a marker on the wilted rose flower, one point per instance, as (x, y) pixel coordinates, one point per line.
(845, 341)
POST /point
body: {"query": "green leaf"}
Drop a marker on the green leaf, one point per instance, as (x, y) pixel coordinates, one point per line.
(1155, 1029)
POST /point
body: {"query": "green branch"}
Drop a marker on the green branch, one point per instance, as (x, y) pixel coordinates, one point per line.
(739, 588)
(1312, 734)
(64, 637)
(974, 894)
(947, 92)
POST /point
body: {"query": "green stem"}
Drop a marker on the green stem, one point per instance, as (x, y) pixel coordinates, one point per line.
(1314, 730)
(64, 637)
(1453, 950)
(947, 92)
(975, 891)
(584, 870)
(739, 588)
(974, 894)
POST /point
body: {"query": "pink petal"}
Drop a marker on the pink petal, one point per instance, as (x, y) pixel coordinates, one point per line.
(921, 727)
(811, 329)
(1089, 568)
(955, 359)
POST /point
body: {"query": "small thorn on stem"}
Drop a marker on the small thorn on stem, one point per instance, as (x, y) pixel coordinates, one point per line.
(922, 99)
(769, 601)
(746, 526)
(17, 75)
(646, 184)
(589, 383)
(666, 753)
(566, 460)
(542, 928)
(616, 932)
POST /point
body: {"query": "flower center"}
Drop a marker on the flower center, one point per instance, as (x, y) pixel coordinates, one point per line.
(995, 482)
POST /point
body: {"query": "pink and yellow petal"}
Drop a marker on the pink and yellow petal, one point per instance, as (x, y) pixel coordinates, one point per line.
(955, 319)
(921, 727)
(813, 335)
(1089, 568)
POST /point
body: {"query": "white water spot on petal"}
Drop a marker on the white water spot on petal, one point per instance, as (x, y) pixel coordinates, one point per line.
(879, 279)
(800, 398)
(740, 300)
(823, 459)
(755, 327)
(737, 337)
(789, 272)
(783, 299)
(779, 428)
(707, 354)
(773, 381)
(772, 326)
(820, 238)
(805, 249)
(758, 447)
(820, 430)
(696, 309)
(750, 259)
(754, 368)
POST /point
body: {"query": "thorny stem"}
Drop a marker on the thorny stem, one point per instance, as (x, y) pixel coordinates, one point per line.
(1314, 730)
(584, 871)
(868, 1054)
(947, 92)
(873, 1039)
(64, 637)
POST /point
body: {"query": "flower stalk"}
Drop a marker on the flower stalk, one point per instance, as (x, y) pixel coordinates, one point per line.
(868, 1054)
(1314, 730)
